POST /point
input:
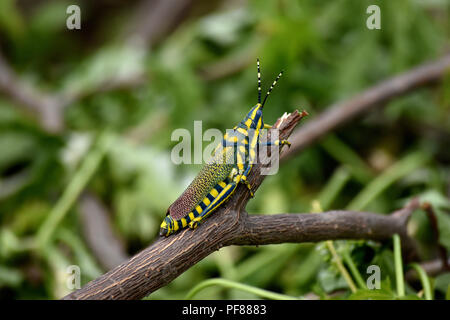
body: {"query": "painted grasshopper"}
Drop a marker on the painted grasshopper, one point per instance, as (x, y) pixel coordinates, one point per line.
(218, 179)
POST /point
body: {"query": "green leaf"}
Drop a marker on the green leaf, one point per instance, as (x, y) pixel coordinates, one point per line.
(442, 282)
(11, 19)
(10, 277)
(384, 293)
(366, 294)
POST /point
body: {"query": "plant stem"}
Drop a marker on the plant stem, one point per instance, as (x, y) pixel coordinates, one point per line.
(398, 170)
(333, 187)
(317, 208)
(340, 266)
(398, 266)
(354, 270)
(73, 190)
(424, 280)
(239, 286)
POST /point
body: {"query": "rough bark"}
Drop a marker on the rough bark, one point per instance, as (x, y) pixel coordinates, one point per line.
(169, 257)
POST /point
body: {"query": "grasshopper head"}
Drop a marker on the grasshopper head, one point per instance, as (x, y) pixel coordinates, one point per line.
(167, 226)
(254, 118)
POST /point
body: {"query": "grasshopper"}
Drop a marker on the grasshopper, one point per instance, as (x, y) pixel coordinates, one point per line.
(219, 178)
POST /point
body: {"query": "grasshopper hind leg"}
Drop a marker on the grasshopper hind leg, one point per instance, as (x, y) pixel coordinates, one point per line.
(223, 195)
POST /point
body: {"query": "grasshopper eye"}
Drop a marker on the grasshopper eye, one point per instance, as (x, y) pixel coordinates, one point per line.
(164, 228)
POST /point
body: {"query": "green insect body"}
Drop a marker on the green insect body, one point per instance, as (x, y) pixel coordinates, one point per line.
(218, 179)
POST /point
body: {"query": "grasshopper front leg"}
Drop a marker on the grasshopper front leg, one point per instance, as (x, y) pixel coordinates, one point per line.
(244, 167)
(243, 179)
(276, 143)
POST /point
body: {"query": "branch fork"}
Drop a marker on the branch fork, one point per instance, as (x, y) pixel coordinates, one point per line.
(169, 257)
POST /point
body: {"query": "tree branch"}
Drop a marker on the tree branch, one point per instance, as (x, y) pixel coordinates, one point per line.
(45, 105)
(153, 19)
(169, 257)
(339, 224)
(427, 207)
(342, 112)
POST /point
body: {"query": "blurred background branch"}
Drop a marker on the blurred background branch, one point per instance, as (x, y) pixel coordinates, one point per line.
(98, 232)
(376, 96)
(151, 21)
(154, 19)
(44, 105)
(167, 258)
(138, 70)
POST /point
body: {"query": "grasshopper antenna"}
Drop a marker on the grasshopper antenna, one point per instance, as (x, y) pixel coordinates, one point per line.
(259, 81)
(271, 87)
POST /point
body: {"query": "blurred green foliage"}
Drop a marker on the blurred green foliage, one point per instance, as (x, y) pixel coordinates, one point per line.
(205, 70)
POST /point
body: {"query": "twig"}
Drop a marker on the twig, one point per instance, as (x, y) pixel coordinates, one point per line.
(426, 206)
(342, 112)
(227, 66)
(153, 19)
(432, 268)
(98, 233)
(169, 257)
(150, 21)
(49, 106)
(43, 104)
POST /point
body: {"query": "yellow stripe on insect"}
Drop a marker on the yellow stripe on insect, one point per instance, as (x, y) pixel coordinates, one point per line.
(222, 184)
(242, 130)
(183, 222)
(254, 113)
(215, 203)
(232, 140)
(191, 216)
(206, 201)
(252, 156)
(214, 192)
(255, 139)
(240, 162)
(198, 209)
